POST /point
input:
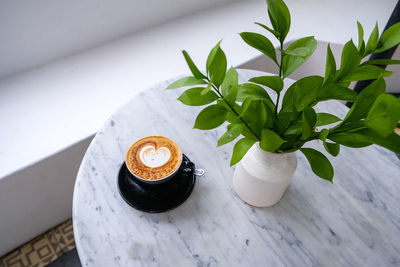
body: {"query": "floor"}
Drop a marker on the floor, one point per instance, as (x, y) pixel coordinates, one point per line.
(55, 248)
(71, 259)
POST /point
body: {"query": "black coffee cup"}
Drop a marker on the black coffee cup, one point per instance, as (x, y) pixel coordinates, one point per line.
(185, 166)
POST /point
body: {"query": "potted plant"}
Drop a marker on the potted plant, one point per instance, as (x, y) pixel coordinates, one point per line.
(271, 131)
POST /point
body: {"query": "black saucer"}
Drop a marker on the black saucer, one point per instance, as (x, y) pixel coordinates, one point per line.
(157, 197)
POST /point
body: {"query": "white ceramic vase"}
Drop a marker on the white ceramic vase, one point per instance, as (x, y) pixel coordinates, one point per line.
(261, 178)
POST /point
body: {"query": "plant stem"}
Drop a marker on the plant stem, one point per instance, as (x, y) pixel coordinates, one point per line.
(277, 103)
(280, 75)
(347, 130)
(234, 111)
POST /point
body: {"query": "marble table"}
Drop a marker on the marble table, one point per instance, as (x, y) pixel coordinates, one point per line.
(353, 222)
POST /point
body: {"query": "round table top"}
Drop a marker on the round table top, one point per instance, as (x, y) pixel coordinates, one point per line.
(353, 222)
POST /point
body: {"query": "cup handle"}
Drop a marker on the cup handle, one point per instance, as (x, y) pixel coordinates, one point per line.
(199, 172)
(189, 167)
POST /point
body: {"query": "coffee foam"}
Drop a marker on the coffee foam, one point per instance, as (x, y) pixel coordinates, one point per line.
(153, 157)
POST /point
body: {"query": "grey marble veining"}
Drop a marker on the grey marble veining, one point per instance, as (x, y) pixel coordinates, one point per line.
(353, 222)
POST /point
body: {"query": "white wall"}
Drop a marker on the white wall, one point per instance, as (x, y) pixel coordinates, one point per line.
(36, 32)
(35, 199)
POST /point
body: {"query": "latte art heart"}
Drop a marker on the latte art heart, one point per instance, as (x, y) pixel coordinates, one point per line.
(151, 157)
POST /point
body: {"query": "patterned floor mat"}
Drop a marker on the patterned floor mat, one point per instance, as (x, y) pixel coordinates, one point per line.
(43, 249)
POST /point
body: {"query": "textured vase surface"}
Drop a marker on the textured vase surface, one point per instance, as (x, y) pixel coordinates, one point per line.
(261, 178)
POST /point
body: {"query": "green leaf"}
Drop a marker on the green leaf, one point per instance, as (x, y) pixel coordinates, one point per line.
(367, 137)
(381, 62)
(389, 38)
(255, 115)
(284, 118)
(330, 67)
(323, 134)
(384, 115)
(211, 55)
(231, 134)
(235, 106)
(270, 141)
(231, 116)
(349, 61)
(362, 50)
(291, 63)
(249, 134)
(391, 142)
(245, 105)
(292, 145)
(372, 41)
(229, 87)
(256, 92)
(309, 118)
(360, 37)
(207, 89)
(275, 33)
(298, 52)
(336, 91)
(240, 149)
(365, 100)
(270, 110)
(216, 65)
(319, 163)
(230, 81)
(196, 73)
(331, 148)
(302, 93)
(185, 81)
(264, 110)
(280, 17)
(193, 97)
(261, 43)
(367, 72)
(273, 82)
(325, 119)
(210, 117)
(294, 129)
(350, 139)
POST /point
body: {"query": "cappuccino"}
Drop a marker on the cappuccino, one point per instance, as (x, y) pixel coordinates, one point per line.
(153, 158)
